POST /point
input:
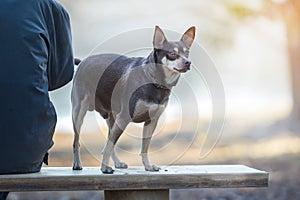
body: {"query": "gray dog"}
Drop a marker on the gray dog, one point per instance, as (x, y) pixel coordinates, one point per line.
(125, 89)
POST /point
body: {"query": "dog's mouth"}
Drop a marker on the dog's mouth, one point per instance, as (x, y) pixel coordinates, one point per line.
(183, 70)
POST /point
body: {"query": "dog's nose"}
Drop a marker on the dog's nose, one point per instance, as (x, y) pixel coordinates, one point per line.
(187, 63)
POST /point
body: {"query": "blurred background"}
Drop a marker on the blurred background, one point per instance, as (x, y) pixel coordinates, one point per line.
(253, 48)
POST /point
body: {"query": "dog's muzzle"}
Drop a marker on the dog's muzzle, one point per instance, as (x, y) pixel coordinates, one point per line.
(186, 65)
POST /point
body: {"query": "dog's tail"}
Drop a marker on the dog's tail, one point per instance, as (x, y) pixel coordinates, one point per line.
(77, 61)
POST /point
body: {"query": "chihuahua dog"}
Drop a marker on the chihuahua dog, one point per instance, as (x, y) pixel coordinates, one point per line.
(128, 89)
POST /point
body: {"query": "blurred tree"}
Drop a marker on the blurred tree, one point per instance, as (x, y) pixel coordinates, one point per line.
(288, 11)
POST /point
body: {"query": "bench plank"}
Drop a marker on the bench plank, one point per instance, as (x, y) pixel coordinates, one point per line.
(136, 178)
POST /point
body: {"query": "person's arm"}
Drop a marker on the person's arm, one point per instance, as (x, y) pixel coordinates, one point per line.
(61, 62)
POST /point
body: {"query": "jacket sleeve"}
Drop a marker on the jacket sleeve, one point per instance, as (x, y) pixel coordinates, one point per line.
(61, 62)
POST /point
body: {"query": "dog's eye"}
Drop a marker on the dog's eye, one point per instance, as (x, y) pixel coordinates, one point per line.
(172, 56)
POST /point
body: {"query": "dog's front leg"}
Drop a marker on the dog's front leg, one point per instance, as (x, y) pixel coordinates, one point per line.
(148, 130)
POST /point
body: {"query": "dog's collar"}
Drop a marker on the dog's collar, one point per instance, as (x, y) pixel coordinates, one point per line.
(159, 86)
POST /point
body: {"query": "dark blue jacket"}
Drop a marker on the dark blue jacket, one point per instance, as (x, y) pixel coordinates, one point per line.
(35, 56)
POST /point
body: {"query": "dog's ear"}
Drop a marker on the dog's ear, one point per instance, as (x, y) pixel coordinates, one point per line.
(188, 37)
(159, 38)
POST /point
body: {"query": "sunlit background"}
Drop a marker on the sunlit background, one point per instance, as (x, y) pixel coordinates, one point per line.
(250, 55)
(248, 44)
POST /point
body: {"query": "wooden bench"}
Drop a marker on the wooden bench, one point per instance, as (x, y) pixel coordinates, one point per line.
(135, 183)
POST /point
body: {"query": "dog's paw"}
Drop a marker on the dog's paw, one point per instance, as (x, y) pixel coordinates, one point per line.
(121, 165)
(152, 168)
(77, 166)
(107, 170)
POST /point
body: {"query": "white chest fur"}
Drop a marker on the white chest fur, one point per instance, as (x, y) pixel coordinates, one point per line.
(152, 110)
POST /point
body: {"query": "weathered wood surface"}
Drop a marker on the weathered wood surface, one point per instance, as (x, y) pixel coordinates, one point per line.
(135, 178)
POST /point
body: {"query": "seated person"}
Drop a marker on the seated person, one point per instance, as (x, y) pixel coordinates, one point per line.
(35, 57)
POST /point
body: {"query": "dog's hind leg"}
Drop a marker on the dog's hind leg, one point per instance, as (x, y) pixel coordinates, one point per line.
(118, 164)
(148, 130)
(115, 133)
(79, 109)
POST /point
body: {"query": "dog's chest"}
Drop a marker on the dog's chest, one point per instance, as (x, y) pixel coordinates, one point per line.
(147, 111)
(148, 102)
